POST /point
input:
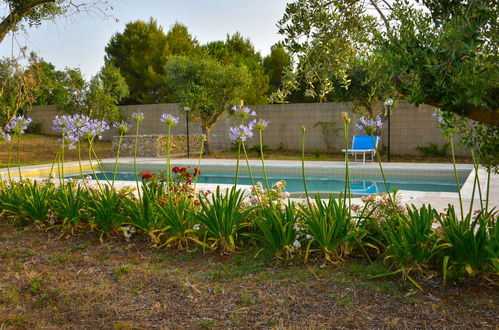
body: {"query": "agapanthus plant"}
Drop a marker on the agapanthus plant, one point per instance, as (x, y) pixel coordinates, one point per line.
(18, 126)
(170, 121)
(137, 118)
(369, 126)
(122, 128)
(243, 112)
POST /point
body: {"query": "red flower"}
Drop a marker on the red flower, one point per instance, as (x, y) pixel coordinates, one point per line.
(197, 203)
(197, 171)
(161, 203)
(146, 175)
(176, 169)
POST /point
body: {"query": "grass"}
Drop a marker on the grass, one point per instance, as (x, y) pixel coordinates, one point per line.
(79, 282)
(41, 149)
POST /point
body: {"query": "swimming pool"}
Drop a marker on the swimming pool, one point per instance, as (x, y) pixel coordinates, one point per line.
(330, 180)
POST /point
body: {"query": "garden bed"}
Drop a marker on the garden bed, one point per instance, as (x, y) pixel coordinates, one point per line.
(78, 282)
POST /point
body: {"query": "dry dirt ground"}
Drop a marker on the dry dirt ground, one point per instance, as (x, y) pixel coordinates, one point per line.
(80, 283)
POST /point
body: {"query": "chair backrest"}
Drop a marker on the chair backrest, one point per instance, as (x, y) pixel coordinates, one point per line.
(364, 142)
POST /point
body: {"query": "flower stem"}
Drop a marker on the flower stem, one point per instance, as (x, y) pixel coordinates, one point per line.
(61, 177)
(249, 171)
(456, 176)
(19, 155)
(237, 164)
(347, 172)
(199, 164)
(117, 157)
(91, 164)
(488, 191)
(169, 172)
(378, 158)
(477, 179)
(303, 164)
(135, 157)
(263, 162)
(8, 159)
(78, 146)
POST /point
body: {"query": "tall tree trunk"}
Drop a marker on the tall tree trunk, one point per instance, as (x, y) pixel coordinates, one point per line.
(207, 144)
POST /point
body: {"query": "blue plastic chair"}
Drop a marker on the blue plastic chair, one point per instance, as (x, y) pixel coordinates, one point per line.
(363, 144)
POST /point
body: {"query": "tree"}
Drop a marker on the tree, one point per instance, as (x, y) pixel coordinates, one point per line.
(443, 55)
(446, 56)
(180, 42)
(105, 91)
(33, 12)
(76, 89)
(207, 87)
(141, 52)
(52, 87)
(240, 52)
(274, 65)
(325, 38)
(18, 88)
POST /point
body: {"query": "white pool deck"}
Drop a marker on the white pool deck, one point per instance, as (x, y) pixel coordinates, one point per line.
(438, 200)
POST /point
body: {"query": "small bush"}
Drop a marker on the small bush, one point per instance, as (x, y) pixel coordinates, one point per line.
(433, 150)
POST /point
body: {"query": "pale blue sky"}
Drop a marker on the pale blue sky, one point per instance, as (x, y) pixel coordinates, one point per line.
(80, 41)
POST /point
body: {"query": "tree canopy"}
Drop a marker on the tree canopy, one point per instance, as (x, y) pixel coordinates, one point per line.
(33, 12)
(440, 53)
(140, 52)
(240, 52)
(207, 87)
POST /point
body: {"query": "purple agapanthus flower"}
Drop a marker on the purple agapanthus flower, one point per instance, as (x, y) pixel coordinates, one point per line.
(138, 116)
(369, 125)
(438, 115)
(4, 136)
(169, 120)
(243, 112)
(122, 127)
(241, 133)
(261, 125)
(77, 127)
(18, 125)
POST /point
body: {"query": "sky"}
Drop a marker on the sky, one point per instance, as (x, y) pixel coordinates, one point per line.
(79, 42)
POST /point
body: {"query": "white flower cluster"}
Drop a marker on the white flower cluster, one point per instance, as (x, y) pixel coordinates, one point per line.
(197, 226)
(128, 231)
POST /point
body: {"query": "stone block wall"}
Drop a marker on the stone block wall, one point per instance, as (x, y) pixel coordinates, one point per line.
(411, 126)
(155, 145)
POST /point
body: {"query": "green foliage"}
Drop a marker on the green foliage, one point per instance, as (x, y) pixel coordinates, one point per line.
(18, 88)
(326, 38)
(68, 204)
(76, 87)
(239, 52)
(274, 65)
(178, 217)
(412, 245)
(276, 230)
(207, 87)
(433, 150)
(223, 218)
(140, 52)
(180, 42)
(105, 91)
(445, 56)
(330, 225)
(256, 148)
(105, 208)
(52, 89)
(473, 245)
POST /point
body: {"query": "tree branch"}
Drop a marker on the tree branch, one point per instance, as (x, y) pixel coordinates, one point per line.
(15, 16)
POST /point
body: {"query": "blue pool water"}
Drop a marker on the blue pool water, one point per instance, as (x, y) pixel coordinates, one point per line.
(324, 183)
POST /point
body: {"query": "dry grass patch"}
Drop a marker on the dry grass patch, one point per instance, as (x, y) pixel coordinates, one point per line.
(46, 282)
(39, 149)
